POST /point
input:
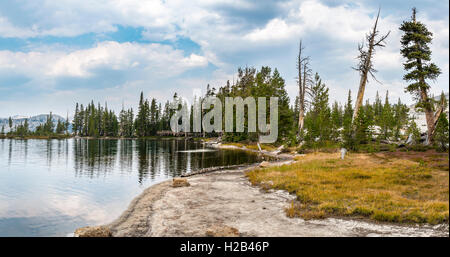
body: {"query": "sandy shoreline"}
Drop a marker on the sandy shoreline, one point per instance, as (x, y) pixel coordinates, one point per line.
(226, 198)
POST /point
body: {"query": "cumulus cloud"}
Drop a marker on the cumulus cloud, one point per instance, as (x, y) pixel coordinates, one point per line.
(229, 34)
(9, 30)
(154, 58)
(275, 30)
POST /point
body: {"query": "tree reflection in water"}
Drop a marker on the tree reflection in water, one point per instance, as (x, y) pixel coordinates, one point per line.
(168, 158)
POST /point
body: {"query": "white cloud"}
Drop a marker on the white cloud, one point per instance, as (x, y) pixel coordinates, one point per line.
(227, 42)
(9, 30)
(153, 58)
(340, 22)
(275, 30)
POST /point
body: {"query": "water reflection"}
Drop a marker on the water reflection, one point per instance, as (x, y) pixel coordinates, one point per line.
(94, 157)
(154, 157)
(50, 187)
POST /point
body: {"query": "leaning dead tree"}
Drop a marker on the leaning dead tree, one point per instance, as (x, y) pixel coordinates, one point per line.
(304, 78)
(365, 66)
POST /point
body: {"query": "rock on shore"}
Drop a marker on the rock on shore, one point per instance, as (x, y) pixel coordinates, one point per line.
(98, 231)
(180, 182)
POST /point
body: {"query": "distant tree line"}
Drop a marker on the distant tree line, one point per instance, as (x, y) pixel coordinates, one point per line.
(98, 121)
(48, 128)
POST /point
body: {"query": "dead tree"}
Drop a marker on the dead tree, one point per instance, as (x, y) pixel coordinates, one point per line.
(304, 77)
(365, 66)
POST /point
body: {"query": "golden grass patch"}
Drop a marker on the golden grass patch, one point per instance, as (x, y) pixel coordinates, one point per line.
(384, 187)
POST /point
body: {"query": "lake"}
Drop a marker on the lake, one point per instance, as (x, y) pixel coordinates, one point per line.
(52, 187)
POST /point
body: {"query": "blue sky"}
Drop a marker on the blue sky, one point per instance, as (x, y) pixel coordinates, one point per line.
(56, 53)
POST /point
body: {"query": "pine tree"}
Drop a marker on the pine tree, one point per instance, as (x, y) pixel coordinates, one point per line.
(141, 116)
(147, 123)
(158, 117)
(98, 122)
(85, 118)
(122, 122)
(442, 129)
(126, 127)
(369, 113)
(76, 121)
(347, 131)
(130, 123)
(167, 113)
(10, 123)
(442, 134)
(413, 131)
(400, 118)
(105, 119)
(26, 126)
(285, 116)
(153, 126)
(66, 124)
(336, 120)
(361, 127)
(318, 120)
(22, 129)
(82, 130)
(387, 119)
(378, 109)
(59, 127)
(415, 48)
(49, 126)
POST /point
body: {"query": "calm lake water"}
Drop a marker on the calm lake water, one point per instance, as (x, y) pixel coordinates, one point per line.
(52, 187)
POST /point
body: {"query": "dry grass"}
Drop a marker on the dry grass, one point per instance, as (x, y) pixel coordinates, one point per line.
(394, 187)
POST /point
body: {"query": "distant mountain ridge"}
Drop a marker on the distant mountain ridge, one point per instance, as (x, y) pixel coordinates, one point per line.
(33, 121)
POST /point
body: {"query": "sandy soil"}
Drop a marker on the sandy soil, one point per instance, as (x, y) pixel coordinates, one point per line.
(226, 198)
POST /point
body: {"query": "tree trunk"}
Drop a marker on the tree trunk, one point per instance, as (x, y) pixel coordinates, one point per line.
(301, 118)
(301, 94)
(430, 116)
(301, 115)
(302, 86)
(436, 119)
(359, 99)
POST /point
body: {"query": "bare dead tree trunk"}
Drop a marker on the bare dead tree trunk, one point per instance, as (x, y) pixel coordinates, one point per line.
(436, 119)
(300, 88)
(360, 97)
(303, 73)
(431, 116)
(365, 66)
